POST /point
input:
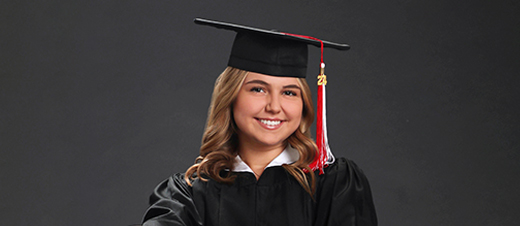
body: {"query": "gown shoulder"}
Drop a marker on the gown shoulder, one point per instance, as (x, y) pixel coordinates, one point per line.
(171, 203)
(344, 196)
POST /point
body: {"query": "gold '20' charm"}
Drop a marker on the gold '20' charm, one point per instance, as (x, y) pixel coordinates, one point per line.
(322, 79)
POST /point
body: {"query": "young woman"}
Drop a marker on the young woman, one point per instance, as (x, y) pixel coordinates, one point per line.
(254, 163)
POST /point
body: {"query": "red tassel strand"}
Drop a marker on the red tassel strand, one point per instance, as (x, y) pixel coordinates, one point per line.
(324, 155)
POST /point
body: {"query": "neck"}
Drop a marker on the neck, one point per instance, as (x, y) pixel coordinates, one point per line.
(257, 158)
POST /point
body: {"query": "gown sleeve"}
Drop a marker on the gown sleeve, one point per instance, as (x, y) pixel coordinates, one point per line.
(344, 196)
(172, 204)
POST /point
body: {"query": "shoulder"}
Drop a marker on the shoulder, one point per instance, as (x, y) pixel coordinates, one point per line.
(172, 202)
(344, 195)
(171, 187)
(344, 167)
(345, 174)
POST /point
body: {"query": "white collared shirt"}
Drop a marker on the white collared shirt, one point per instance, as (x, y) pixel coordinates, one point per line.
(289, 155)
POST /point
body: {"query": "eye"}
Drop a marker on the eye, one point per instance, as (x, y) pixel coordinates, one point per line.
(257, 90)
(290, 93)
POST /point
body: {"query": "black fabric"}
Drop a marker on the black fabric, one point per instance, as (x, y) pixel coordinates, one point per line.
(343, 197)
(268, 55)
(267, 51)
(272, 33)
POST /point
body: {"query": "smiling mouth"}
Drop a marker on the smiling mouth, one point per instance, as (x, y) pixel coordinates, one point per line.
(270, 122)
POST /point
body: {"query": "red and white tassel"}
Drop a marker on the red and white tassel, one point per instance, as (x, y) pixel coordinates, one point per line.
(324, 155)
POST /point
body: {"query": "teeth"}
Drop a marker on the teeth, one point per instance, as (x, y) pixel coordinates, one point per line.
(270, 123)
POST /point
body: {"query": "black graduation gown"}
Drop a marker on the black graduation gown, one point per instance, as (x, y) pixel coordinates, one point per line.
(342, 197)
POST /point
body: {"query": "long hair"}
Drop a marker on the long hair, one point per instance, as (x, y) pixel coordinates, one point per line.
(220, 141)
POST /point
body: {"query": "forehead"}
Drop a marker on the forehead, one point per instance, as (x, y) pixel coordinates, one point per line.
(271, 80)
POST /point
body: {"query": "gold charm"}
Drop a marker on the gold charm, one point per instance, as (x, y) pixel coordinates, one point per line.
(322, 79)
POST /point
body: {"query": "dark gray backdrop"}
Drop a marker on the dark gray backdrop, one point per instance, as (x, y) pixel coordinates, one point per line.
(101, 100)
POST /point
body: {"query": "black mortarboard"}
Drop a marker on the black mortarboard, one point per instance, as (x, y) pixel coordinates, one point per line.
(269, 52)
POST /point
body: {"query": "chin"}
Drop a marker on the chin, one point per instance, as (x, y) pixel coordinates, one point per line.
(273, 142)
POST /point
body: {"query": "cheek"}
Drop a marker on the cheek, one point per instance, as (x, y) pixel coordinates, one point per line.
(238, 115)
(294, 109)
(244, 106)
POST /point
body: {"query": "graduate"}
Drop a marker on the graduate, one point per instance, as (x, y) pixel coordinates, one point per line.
(258, 164)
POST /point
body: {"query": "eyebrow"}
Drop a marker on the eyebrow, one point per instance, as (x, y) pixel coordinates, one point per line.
(258, 81)
(293, 86)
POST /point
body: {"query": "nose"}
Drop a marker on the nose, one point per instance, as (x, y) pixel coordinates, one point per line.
(273, 104)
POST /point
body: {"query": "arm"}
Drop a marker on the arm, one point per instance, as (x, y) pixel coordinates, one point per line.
(172, 204)
(344, 196)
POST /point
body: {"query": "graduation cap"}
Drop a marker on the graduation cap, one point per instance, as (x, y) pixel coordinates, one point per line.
(282, 54)
(268, 51)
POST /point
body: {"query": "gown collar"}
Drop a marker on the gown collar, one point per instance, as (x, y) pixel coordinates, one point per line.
(289, 155)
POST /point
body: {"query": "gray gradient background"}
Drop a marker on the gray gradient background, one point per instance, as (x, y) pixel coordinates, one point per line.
(101, 100)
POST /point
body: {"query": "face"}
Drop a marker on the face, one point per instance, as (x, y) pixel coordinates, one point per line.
(267, 110)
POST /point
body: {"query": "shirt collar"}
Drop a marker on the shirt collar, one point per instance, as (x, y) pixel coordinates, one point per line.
(289, 155)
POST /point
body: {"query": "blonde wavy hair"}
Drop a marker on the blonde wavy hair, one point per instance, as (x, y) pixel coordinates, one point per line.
(220, 141)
